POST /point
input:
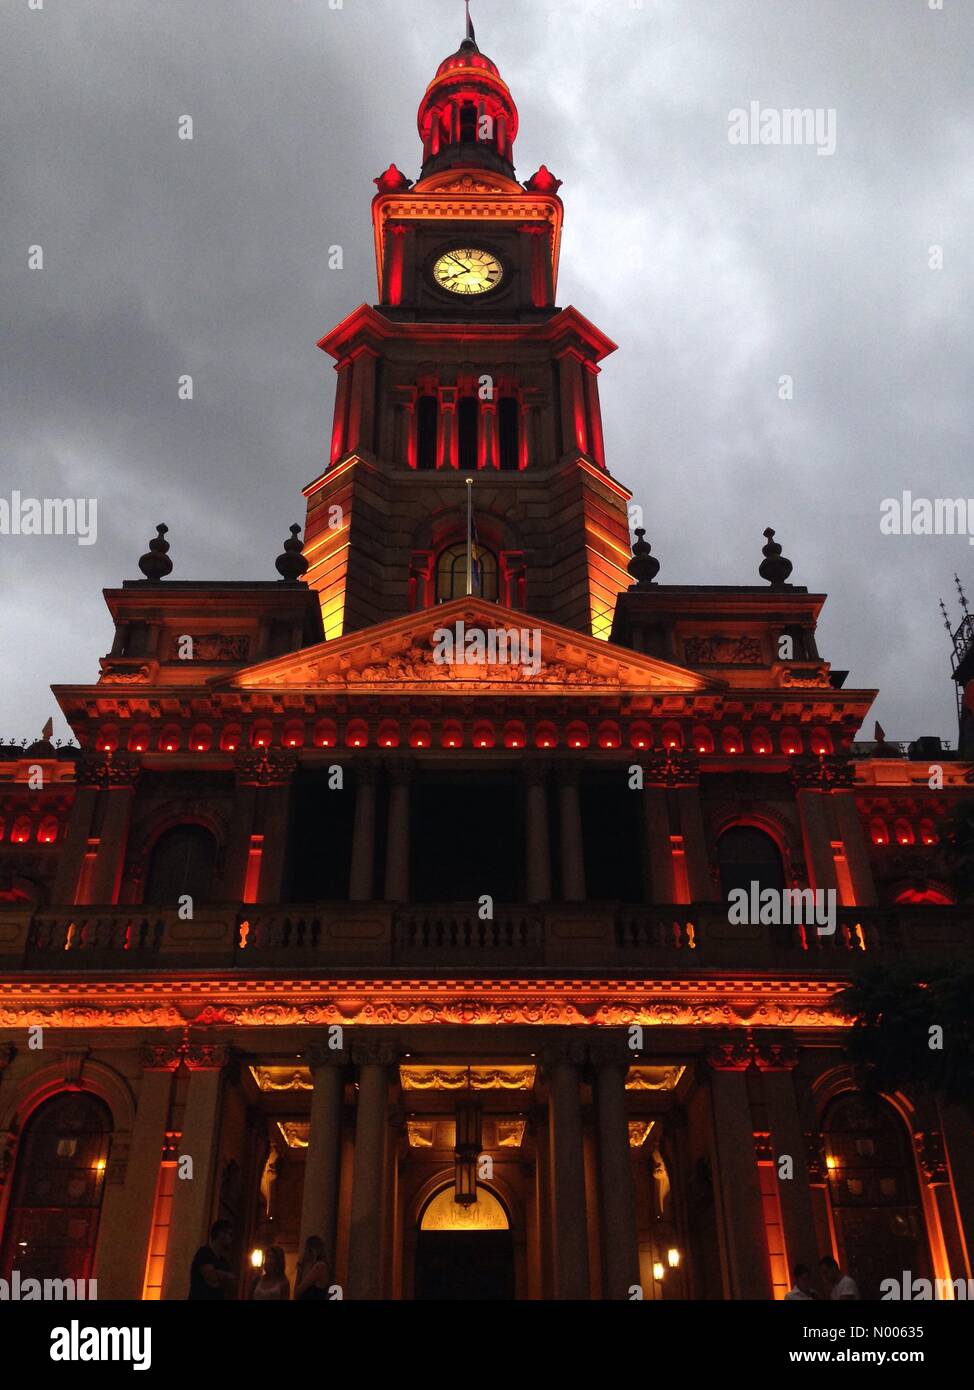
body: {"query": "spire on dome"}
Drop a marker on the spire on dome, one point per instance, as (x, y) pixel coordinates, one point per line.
(467, 118)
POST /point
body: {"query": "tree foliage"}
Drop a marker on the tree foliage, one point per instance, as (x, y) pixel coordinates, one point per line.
(959, 844)
(913, 1033)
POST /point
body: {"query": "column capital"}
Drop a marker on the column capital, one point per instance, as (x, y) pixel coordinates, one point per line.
(195, 1056)
(265, 767)
(375, 1052)
(366, 771)
(321, 1055)
(732, 1053)
(611, 1051)
(536, 770)
(826, 773)
(569, 770)
(400, 770)
(564, 1052)
(107, 769)
(671, 767)
(775, 1052)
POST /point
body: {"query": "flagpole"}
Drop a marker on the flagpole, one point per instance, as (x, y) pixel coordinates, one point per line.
(469, 536)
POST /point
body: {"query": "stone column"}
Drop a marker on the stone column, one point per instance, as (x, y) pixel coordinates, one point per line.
(447, 443)
(365, 1255)
(361, 414)
(537, 841)
(489, 446)
(673, 810)
(193, 1198)
(397, 837)
(853, 839)
(594, 412)
(125, 1227)
(115, 775)
(574, 436)
(776, 1059)
(657, 851)
(744, 1247)
(812, 779)
(572, 849)
(71, 860)
(360, 885)
(699, 881)
(569, 1224)
(319, 1203)
(339, 434)
(264, 781)
(620, 1242)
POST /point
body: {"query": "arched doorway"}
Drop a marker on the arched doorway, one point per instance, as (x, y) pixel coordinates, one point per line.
(52, 1224)
(464, 1251)
(873, 1193)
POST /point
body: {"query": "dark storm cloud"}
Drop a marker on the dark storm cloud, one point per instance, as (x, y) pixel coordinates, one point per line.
(717, 268)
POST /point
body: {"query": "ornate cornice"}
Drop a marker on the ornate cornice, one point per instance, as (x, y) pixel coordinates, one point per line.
(216, 1001)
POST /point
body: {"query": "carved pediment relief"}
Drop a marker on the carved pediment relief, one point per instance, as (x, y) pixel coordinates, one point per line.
(723, 649)
(468, 645)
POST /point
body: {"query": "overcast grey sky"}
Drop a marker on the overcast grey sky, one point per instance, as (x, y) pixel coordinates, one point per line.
(717, 268)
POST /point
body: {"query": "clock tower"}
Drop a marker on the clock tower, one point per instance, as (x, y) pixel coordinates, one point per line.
(466, 368)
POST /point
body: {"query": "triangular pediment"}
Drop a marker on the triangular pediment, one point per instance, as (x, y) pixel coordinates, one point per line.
(468, 645)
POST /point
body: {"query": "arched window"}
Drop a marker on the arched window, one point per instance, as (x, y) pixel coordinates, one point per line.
(52, 1225)
(747, 855)
(427, 421)
(183, 861)
(873, 1193)
(509, 433)
(468, 415)
(451, 573)
(468, 122)
(878, 831)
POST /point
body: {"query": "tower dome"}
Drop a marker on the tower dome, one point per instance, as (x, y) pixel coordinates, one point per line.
(467, 118)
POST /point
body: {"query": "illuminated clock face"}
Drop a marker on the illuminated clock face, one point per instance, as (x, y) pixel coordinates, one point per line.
(468, 270)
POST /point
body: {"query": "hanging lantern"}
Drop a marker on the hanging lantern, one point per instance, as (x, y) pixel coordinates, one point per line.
(467, 1151)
